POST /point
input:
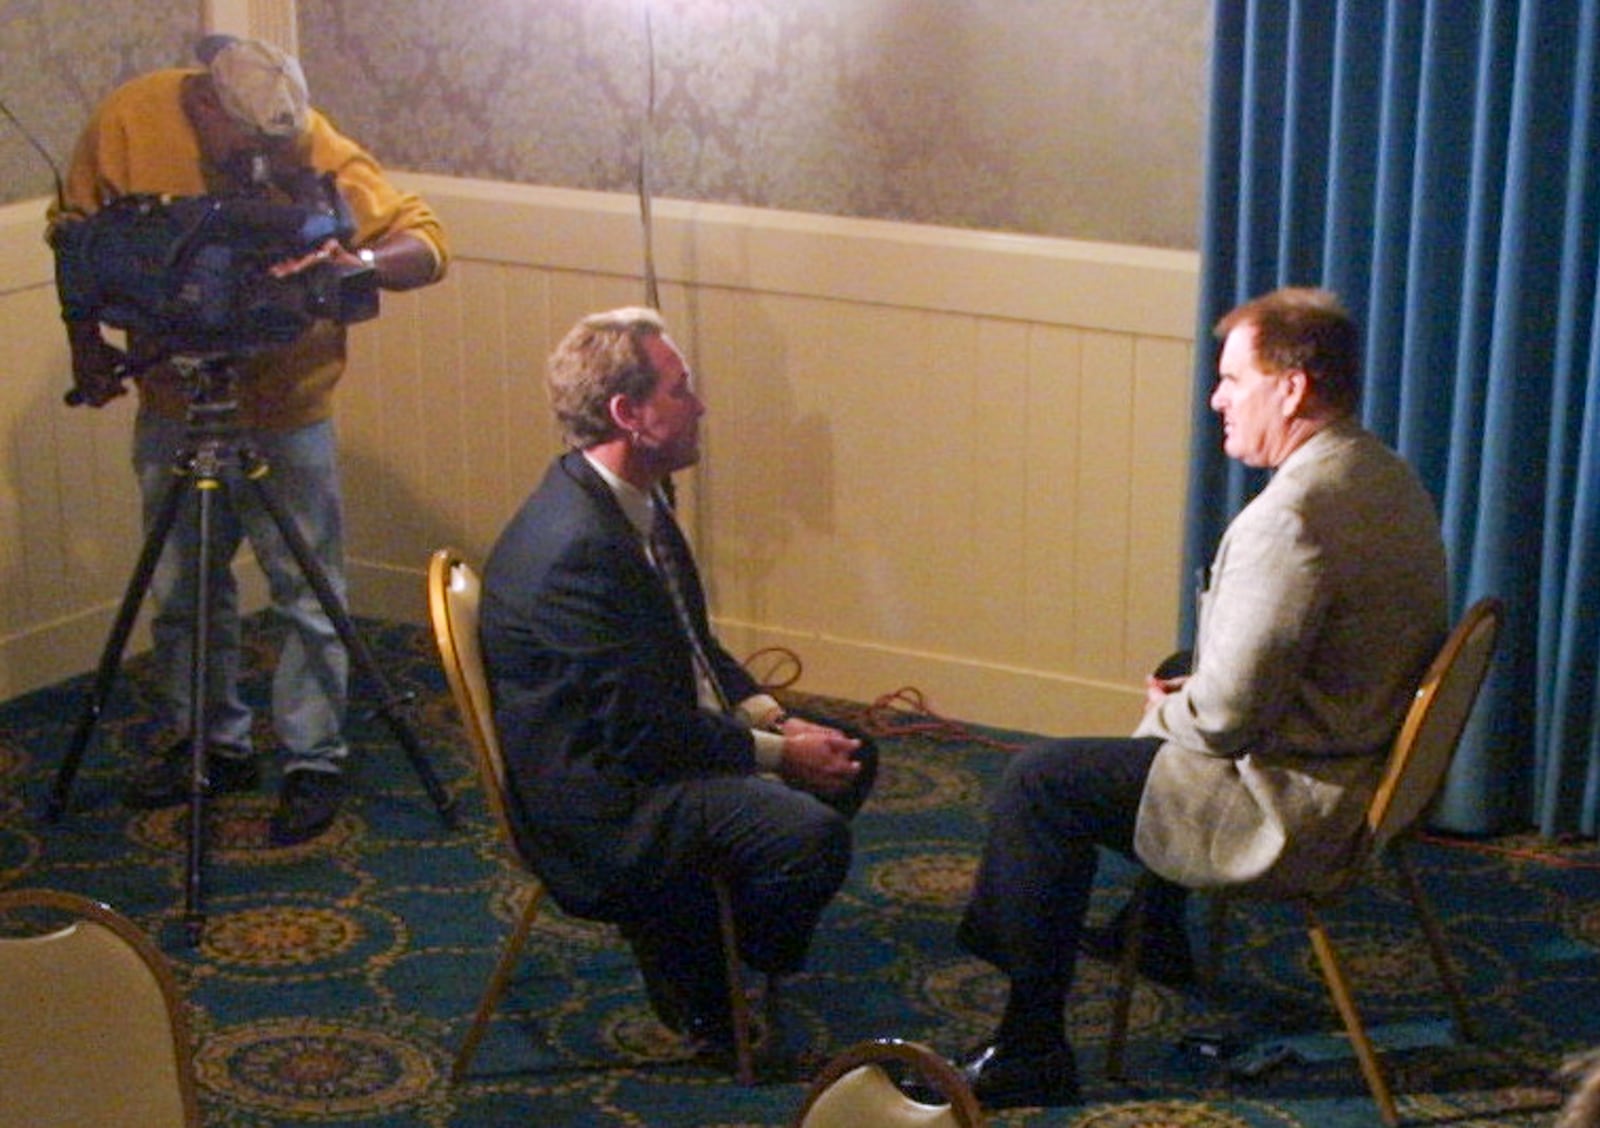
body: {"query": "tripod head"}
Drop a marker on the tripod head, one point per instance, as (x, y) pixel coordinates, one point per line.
(211, 417)
(211, 378)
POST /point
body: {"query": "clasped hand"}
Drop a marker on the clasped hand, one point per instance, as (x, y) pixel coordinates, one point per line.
(818, 758)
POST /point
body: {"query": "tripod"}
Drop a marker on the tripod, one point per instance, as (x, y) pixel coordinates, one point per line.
(208, 446)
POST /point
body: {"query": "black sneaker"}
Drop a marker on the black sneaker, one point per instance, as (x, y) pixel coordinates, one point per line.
(163, 780)
(307, 803)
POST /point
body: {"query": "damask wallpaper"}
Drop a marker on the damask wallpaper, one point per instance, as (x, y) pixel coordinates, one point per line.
(1074, 118)
(57, 57)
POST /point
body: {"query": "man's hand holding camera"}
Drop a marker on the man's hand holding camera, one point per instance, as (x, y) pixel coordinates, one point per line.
(328, 251)
(331, 251)
(98, 368)
(399, 261)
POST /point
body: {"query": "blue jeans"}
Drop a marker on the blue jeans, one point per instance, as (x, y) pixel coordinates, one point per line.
(309, 687)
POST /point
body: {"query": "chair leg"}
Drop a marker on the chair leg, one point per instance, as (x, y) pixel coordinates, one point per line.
(1127, 972)
(498, 982)
(1339, 989)
(771, 1017)
(1436, 945)
(738, 1003)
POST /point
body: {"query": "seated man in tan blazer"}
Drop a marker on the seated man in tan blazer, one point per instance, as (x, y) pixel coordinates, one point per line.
(1325, 602)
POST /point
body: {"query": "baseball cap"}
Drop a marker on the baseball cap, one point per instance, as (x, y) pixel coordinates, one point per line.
(260, 86)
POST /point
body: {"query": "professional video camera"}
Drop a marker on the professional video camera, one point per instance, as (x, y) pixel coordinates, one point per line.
(191, 274)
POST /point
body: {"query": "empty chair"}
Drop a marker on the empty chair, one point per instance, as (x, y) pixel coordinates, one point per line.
(855, 1090)
(93, 1031)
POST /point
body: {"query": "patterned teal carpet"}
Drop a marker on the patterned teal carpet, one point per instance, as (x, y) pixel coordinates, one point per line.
(334, 980)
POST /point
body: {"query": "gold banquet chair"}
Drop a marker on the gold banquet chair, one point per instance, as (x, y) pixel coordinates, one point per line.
(854, 1090)
(93, 1030)
(454, 591)
(1418, 760)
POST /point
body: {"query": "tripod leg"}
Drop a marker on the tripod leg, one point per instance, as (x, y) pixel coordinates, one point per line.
(111, 657)
(194, 917)
(255, 472)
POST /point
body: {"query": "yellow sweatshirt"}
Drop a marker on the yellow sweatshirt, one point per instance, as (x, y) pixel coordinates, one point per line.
(140, 141)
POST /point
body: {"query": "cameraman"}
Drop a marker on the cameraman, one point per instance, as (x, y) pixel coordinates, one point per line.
(242, 125)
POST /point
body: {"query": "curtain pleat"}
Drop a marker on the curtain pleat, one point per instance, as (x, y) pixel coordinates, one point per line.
(1569, 621)
(1438, 165)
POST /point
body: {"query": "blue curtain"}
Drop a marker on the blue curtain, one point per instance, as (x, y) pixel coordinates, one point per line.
(1437, 164)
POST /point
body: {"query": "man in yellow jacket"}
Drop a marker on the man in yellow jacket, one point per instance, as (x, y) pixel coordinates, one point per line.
(242, 125)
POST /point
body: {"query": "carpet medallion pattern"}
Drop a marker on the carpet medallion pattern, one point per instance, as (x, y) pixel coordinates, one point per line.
(334, 980)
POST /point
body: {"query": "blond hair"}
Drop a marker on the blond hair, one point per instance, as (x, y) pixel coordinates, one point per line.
(600, 357)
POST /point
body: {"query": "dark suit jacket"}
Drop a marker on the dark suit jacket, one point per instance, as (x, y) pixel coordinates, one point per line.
(594, 692)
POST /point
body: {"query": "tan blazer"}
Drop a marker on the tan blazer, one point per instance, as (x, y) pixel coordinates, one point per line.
(1326, 601)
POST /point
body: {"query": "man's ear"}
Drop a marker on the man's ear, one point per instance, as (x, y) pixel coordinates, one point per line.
(1296, 392)
(624, 413)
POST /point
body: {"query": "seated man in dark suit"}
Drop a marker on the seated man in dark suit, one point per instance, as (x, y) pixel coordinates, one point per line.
(640, 755)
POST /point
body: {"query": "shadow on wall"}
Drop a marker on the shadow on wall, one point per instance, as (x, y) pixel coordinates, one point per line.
(768, 464)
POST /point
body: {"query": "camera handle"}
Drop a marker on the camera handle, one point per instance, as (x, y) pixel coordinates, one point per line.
(198, 465)
(128, 368)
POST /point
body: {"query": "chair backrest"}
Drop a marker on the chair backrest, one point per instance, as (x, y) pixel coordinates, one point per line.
(93, 1031)
(1433, 725)
(454, 592)
(855, 1090)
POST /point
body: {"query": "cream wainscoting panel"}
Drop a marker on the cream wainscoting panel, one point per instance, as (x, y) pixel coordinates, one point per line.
(945, 459)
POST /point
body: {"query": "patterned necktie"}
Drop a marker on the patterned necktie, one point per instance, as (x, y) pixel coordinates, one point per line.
(671, 555)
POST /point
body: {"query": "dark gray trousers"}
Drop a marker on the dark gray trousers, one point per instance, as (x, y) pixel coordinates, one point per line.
(1057, 803)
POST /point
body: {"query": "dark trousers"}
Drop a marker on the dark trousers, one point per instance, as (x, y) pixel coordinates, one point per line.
(784, 853)
(1057, 803)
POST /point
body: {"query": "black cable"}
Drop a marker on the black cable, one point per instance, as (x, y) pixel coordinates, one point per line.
(646, 136)
(55, 173)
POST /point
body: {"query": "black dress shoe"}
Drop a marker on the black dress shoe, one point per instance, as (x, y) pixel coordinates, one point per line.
(711, 1035)
(686, 999)
(163, 781)
(307, 803)
(1164, 953)
(668, 999)
(1005, 1076)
